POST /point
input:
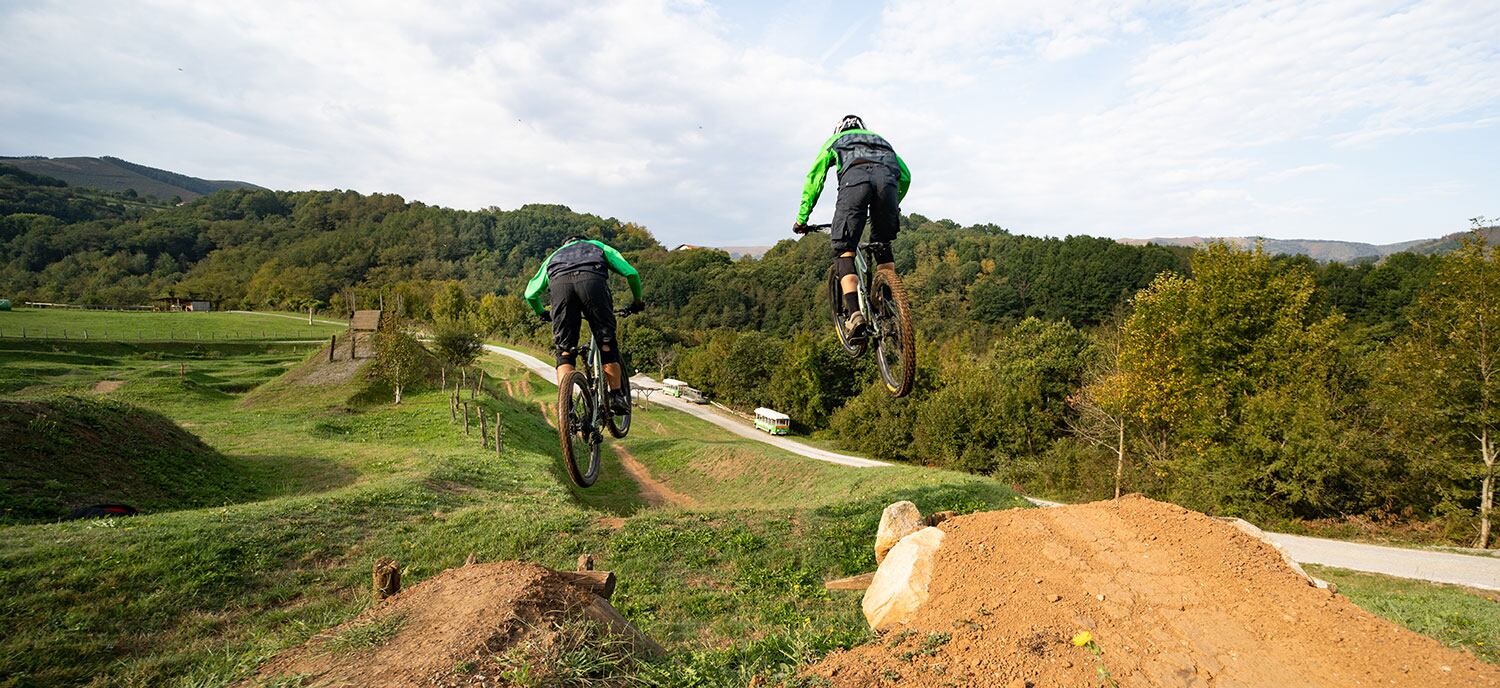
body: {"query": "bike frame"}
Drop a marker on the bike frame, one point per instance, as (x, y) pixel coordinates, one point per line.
(597, 384)
(864, 258)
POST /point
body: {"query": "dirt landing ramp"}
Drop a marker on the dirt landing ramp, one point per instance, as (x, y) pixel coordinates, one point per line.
(1168, 597)
(463, 627)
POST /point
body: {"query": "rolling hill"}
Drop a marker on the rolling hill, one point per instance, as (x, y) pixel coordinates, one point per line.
(113, 174)
(1325, 250)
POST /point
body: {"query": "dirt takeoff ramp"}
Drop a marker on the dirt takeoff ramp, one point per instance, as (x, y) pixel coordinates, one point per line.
(464, 627)
(1134, 592)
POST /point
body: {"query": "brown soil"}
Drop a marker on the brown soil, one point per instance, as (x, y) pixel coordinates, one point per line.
(653, 491)
(107, 386)
(445, 631)
(1170, 596)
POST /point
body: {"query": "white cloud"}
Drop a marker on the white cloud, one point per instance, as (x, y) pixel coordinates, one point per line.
(1113, 117)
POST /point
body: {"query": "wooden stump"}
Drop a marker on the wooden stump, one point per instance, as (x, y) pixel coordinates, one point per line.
(601, 583)
(585, 562)
(386, 578)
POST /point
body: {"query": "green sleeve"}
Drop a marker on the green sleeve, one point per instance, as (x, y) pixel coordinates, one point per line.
(618, 263)
(814, 186)
(536, 286)
(905, 182)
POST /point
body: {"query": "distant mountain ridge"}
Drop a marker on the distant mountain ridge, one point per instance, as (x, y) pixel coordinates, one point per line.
(108, 173)
(1325, 249)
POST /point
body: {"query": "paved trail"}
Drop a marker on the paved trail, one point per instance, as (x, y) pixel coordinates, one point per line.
(546, 371)
(1441, 567)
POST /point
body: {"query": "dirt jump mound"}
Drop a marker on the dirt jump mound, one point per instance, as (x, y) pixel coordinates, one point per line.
(1131, 592)
(477, 625)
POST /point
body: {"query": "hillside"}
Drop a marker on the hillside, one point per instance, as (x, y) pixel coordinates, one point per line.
(113, 174)
(1324, 249)
(73, 452)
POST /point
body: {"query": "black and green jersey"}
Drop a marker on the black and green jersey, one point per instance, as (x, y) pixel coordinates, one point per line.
(844, 149)
(582, 255)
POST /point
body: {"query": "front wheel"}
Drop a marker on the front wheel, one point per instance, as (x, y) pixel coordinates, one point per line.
(575, 428)
(895, 346)
(854, 346)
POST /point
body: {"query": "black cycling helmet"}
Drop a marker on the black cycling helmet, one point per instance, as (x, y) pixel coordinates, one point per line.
(850, 122)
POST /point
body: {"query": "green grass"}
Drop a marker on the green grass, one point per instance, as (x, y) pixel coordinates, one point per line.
(1456, 616)
(51, 323)
(202, 596)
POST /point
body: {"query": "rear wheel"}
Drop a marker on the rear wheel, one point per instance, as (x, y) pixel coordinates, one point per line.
(853, 346)
(575, 428)
(895, 346)
(619, 424)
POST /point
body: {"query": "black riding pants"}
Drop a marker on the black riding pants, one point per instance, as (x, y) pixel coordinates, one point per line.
(865, 191)
(586, 295)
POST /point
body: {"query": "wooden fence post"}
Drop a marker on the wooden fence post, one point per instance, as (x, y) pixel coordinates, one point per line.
(452, 408)
(333, 343)
(466, 418)
(484, 430)
(386, 578)
(499, 434)
(353, 340)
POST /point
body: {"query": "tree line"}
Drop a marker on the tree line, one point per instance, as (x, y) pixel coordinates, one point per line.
(1224, 379)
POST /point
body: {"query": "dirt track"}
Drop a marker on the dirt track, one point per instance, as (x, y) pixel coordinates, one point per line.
(1171, 598)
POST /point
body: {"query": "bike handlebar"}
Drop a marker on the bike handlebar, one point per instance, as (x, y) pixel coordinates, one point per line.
(808, 229)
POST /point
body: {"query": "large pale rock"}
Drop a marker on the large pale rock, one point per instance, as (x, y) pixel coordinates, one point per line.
(897, 521)
(900, 584)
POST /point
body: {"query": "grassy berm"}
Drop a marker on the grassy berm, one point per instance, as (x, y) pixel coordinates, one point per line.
(722, 561)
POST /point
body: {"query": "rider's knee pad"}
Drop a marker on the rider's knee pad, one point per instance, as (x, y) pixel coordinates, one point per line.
(609, 355)
(566, 357)
(844, 265)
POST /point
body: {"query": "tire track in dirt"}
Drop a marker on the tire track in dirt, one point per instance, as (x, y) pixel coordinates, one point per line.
(653, 491)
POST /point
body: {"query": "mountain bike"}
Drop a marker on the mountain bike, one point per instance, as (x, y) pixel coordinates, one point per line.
(583, 410)
(887, 311)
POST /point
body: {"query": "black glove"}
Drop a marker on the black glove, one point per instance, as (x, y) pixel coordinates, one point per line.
(637, 306)
(545, 315)
(799, 228)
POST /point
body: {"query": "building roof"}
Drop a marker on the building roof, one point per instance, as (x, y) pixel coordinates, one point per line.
(670, 381)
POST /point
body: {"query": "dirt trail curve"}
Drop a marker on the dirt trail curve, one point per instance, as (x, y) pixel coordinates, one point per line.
(548, 373)
(655, 492)
(1475, 571)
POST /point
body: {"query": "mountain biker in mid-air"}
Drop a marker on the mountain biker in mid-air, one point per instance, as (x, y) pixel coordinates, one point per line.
(578, 276)
(872, 182)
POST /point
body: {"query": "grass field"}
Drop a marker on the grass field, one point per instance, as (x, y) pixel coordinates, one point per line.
(1457, 616)
(200, 596)
(55, 323)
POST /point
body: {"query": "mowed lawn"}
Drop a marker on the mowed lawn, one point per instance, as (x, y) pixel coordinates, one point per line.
(56, 323)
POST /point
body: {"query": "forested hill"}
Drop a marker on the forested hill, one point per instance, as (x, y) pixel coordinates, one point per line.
(1241, 382)
(1323, 249)
(113, 174)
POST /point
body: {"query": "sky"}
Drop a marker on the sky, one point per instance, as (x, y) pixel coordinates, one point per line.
(1361, 121)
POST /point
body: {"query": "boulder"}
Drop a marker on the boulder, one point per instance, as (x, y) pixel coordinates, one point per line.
(897, 521)
(900, 584)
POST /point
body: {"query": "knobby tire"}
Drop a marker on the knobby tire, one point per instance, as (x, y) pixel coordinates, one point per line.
(580, 440)
(896, 339)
